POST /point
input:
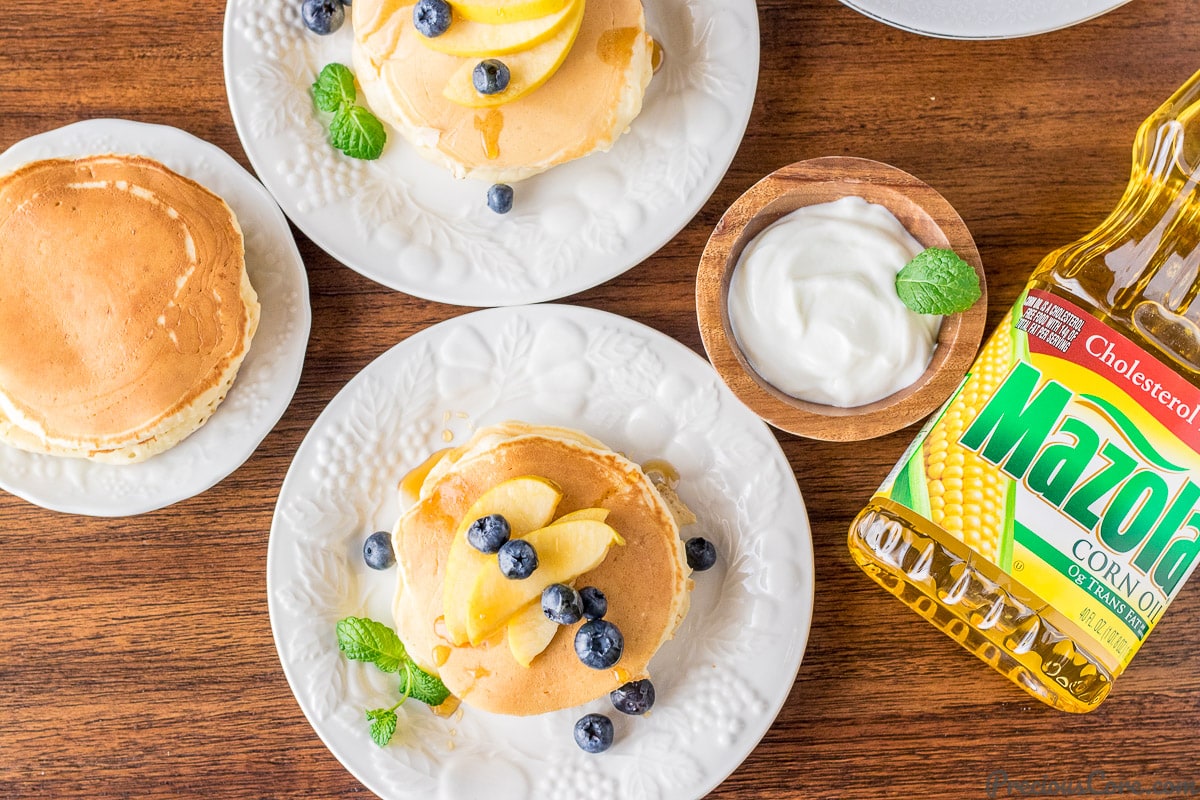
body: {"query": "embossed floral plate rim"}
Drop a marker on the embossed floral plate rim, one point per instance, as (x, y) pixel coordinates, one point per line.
(409, 225)
(267, 378)
(982, 19)
(720, 682)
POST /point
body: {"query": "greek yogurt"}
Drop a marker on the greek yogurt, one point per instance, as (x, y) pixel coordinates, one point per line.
(813, 305)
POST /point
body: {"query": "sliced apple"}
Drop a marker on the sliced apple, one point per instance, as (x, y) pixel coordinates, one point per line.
(528, 503)
(482, 40)
(565, 551)
(528, 69)
(496, 12)
(598, 514)
(530, 632)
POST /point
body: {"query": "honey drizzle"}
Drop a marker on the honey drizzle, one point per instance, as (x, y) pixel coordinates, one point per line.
(656, 55)
(615, 46)
(489, 126)
(448, 707)
(410, 484)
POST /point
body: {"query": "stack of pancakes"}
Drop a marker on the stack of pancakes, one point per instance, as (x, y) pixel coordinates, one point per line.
(646, 580)
(125, 308)
(589, 102)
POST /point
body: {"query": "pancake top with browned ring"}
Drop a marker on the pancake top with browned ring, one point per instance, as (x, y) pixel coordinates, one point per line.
(584, 106)
(645, 580)
(124, 304)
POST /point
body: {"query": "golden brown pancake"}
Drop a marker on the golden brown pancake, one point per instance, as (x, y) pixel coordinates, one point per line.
(584, 107)
(125, 308)
(645, 580)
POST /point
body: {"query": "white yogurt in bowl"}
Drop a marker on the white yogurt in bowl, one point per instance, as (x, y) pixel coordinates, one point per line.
(813, 305)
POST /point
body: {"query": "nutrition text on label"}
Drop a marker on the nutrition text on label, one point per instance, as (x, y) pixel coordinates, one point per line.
(1053, 324)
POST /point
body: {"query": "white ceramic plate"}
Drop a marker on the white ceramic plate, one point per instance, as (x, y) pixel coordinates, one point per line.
(268, 376)
(982, 19)
(720, 682)
(409, 225)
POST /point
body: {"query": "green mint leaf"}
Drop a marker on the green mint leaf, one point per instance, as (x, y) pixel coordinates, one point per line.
(427, 688)
(937, 281)
(357, 133)
(383, 725)
(364, 639)
(334, 86)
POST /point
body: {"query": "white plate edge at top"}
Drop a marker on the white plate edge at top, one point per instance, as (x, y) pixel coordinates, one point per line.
(954, 19)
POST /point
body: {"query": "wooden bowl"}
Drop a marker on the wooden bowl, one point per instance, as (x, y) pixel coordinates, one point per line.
(931, 221)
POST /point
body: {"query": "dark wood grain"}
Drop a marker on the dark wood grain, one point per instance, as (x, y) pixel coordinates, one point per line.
(137, 657)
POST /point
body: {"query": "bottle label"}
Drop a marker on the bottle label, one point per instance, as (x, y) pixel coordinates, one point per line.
(1067, 459)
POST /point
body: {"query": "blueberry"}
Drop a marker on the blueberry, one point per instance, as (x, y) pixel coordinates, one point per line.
(635, 697)
(599, 644)
(518, 559)
(490, 76)
(500, 198)
(377, 550)
(594, 733)
(595, 604)
(488, 534)
(431, 17)
(562, 604)
(323, 16)
(701, 554)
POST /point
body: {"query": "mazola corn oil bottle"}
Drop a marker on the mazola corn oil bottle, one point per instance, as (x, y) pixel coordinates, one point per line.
(1050, 511)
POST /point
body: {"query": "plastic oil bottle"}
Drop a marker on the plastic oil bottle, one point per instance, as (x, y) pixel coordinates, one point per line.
(1050, 511)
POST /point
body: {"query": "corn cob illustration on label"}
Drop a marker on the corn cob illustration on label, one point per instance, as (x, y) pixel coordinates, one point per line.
(1065, 460)
(968, 497)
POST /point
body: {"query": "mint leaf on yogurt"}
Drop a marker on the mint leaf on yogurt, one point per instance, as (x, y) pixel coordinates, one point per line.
(937, 281)
(357, 133)
(334, 86)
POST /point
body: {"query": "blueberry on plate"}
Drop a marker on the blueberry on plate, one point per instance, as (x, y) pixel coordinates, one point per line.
(323, 16)
(518, 559)
(595, 604)
(490, 76)
(500, 198)
(562, 604)
(377, 550)
(594, 733)
(701, 554)
(431, 17)
(599, 644)
(488, 534)
(635, 697)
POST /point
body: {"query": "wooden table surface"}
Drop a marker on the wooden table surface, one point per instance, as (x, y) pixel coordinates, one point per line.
(137, 658)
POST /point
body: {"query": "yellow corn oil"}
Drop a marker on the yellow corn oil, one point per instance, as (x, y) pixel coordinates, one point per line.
(1049, 512)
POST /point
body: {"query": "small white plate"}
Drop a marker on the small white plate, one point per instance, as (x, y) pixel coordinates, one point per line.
(267, 378)
(720, 682)
(982, 19)
(409, 225)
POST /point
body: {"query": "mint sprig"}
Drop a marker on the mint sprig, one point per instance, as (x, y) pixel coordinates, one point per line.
(334, 86)
(937, 281)
(363, 639)
(354, 130)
